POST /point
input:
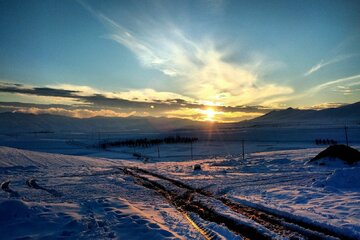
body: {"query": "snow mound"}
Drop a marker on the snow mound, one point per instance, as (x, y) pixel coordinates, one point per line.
(343, 178)
(345, 153)
(11, 158)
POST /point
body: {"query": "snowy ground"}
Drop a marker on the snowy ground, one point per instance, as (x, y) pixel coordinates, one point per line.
(210, 144)
(85, 197)
(282, 182)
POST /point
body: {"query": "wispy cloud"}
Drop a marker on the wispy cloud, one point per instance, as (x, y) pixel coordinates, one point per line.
(324, 106)
(352, 81)
(346, 86)
(323, 63)
(198, 66)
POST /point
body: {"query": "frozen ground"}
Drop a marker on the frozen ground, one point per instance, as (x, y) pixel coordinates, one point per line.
(210, 144)
(282, 182)
(85, 197)
(80, 198)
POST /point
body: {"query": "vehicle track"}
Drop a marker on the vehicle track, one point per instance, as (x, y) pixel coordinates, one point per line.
(5, 187)
(33, 184)
(277, 179)
(184, 201)
(282, 225)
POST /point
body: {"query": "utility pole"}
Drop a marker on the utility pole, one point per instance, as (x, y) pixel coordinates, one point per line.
(243, 150)
(346, 136)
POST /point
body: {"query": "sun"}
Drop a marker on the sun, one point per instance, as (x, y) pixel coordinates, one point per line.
(210, 114)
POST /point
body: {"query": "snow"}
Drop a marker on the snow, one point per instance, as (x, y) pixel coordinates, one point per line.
(12, 158)
(281, 181)
(225, 211)
(221, 231)
(19, 218)
(98, 201)
(343, 178)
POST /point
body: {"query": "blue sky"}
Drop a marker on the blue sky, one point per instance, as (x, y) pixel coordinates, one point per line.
(178, 58)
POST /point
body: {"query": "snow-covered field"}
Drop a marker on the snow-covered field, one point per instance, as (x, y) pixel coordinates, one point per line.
(283, 182)
(215, 143)
(80, 197)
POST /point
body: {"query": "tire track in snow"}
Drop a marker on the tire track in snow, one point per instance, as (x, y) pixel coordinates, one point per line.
(5, 187)
(189, 201)
(283, 225)
(33, 184)
(206, 232)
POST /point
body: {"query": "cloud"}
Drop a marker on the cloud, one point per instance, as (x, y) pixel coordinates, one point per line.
(323, 63)
(77, 113)
(325, 106)
(39, 91)
(84, 101)
(351, 81)
(141, 98)
(346, 86)
(197, 66)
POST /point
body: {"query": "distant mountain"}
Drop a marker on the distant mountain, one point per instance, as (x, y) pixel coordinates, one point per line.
(347, 114)
(28, 123)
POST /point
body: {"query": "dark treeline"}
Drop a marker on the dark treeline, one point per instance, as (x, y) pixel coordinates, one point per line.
(145, 142)
(325, 142)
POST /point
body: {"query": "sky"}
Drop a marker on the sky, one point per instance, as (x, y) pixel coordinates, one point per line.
(207, 60)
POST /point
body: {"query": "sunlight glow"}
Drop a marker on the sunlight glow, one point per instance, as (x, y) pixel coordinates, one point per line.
(209, 114)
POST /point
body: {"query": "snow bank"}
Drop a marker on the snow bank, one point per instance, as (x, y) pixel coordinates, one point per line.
(11, 158)
(342, 178)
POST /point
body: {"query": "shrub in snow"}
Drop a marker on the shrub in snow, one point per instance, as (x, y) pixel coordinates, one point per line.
(197, 167)
(333, 153)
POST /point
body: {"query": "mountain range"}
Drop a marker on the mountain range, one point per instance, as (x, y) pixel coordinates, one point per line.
(16, 122)
(346, 114)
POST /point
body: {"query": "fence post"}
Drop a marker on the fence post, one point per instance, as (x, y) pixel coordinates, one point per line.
(158, 148)
(243, 150)
(191, 148)
(346, 136)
